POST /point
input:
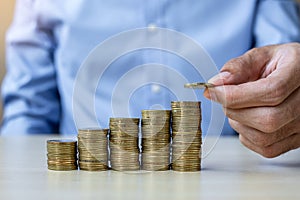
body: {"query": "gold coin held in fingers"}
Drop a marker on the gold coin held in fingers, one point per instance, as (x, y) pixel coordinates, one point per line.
(199, 85)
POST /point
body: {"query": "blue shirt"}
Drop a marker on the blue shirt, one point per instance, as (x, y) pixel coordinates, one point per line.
(49, 40)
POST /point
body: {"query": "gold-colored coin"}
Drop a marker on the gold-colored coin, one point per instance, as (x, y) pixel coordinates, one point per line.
(199, 85)
(186, 135)
(160, 148)
(123, 142)
(93, 149)
(156, 138)
(62, 154)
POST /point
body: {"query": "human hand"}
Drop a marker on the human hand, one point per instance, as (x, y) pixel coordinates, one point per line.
(260, 94)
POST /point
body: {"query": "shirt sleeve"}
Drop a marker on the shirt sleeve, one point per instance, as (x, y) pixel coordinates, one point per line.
(29, 91)
(276, 22)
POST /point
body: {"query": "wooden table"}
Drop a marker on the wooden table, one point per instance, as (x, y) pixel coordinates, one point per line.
(230, 171)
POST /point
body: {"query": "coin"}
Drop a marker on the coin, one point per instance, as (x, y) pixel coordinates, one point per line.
(123, 143)
(156, 138)
(62, 154)
(93, 149)
(160, 147)
(186, 136)
(199, 85)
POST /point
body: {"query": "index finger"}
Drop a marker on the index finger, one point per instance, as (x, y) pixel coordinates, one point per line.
(269, 91)
(262, 77)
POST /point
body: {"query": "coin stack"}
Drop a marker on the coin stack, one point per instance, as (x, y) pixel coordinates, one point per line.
(93, 149)
(156, 140)
(186, 136)
(62, 155)
(123, 142)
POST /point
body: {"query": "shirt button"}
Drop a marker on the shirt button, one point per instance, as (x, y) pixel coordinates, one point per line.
(152, 27)
(155, 88)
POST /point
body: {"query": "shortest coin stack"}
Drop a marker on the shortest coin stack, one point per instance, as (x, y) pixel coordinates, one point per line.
(62, 155)
(93, 149)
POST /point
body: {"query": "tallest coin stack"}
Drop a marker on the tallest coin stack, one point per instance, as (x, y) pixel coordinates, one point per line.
(186, 136)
